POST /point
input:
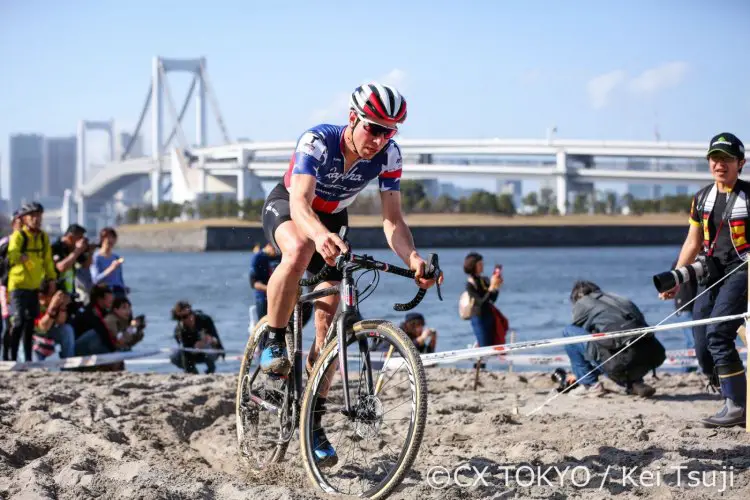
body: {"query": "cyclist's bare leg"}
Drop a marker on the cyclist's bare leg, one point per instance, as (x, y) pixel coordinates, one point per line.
(296, 252)
(325, 309)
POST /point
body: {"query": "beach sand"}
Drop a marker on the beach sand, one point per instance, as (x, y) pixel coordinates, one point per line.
(151, 436)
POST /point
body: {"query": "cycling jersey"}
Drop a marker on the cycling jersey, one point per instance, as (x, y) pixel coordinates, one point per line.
(319, 153)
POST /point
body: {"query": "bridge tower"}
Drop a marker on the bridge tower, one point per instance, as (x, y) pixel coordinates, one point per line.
(158, 97)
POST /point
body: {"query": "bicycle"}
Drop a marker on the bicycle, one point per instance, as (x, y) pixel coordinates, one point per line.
(269, 410)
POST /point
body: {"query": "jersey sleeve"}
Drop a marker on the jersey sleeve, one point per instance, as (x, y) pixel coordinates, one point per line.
(695, 217)
(310, 154)
(390, 175)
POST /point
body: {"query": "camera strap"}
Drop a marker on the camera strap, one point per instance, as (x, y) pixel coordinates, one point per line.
(731, 198)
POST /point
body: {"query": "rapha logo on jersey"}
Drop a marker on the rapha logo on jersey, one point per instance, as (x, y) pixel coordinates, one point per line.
(337, 176)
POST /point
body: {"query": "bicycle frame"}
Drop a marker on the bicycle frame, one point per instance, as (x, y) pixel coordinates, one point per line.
(345, 318)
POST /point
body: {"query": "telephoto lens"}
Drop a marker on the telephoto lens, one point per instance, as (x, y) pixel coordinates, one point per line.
(691, 272)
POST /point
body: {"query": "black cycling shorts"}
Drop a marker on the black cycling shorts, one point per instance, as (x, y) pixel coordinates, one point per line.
(276, 212)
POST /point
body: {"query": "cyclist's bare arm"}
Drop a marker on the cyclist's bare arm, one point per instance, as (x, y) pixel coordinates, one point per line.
(396, 231)
(300, 206)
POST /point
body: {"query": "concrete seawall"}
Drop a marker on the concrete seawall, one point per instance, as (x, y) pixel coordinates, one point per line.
(214, 238)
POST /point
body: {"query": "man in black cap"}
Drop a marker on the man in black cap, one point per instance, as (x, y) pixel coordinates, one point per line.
(424, 339)
(719, 221)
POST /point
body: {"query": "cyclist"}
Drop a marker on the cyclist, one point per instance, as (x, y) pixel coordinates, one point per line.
(303, 214)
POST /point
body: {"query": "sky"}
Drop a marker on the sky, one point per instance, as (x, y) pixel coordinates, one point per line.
(473, 69)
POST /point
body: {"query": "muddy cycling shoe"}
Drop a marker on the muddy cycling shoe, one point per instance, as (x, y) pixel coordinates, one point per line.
(274, 361)
(325, 455)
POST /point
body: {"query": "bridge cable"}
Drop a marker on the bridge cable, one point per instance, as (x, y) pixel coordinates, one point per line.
(184, 109)
(134, 137)
(214, 103)
(173, 111)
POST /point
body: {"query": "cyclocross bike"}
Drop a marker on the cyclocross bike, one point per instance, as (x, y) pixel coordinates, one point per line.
(375, 421)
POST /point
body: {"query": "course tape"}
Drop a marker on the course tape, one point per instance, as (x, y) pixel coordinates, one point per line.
(498, 352)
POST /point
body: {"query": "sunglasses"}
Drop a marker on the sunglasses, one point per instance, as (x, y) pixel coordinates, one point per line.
(378, 130)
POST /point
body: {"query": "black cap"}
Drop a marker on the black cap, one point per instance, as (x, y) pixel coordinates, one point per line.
(414, 316)
(728, 144)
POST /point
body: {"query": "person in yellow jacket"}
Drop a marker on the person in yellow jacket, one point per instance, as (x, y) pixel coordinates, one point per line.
(30, 261)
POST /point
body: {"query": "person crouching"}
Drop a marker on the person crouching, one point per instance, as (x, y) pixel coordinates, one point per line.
(597, 312)
(194, 330)
(51, 327)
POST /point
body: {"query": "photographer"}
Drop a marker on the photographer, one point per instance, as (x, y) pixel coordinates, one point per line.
(51, 326)
(65, 252)
(718, 230)
(127, 332)
(597, 312)
(424, 339)
(194, 330)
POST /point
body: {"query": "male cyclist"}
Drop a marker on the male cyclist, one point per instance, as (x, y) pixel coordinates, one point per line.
(303, 214)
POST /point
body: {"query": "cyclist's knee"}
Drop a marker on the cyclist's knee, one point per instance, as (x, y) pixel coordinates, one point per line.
(297, 253)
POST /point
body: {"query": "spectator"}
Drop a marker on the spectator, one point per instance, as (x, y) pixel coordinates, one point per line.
(597, 312)
(51, 327)
(194, 330)
(262, 266)
(93, 336)
(127, 331)
(30, 261)
(489, 324)
(424, 339)
(5, 345)
(65, 253)
(83, 280)
(107, 266)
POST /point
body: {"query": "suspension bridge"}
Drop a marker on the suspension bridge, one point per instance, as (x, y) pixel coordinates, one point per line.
(185, 170)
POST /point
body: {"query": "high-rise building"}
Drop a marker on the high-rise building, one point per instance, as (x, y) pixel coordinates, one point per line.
(59, 170)
(26, 164)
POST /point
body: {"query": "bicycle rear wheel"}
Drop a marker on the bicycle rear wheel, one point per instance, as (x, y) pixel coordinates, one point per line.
(259, 429)
(388, 423)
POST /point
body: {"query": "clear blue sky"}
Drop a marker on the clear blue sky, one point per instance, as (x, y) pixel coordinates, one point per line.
(596, 70)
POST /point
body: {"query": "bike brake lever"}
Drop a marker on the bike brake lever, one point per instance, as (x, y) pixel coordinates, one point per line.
(434, 270)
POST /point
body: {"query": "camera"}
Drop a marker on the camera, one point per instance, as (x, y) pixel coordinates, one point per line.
(701, 271)
(560, 377)
(140, 321)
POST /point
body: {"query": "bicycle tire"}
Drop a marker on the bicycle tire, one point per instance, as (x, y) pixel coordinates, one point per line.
(247, 359)
(418, 379)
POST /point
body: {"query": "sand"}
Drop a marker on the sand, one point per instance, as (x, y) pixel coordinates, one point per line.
(149, 436)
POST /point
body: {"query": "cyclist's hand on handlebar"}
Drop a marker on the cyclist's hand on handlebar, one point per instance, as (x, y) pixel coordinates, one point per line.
(329, 246)
(419, 266)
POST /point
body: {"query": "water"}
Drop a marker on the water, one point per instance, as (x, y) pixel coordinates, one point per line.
(534, 296)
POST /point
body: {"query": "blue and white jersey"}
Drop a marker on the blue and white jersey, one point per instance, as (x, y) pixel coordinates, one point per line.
(319, 153)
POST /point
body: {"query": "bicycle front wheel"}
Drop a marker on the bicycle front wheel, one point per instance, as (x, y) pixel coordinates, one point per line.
(377, 442)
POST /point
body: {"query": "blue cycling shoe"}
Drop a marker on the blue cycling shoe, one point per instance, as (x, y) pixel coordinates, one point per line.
(325, 455)
(274, 361)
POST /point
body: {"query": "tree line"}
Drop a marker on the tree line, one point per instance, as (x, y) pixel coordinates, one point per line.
(416, 200)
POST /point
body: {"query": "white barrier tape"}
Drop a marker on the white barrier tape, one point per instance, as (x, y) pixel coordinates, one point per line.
(76, 362)
(480, 352)
(427, 359)
(98, 359)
